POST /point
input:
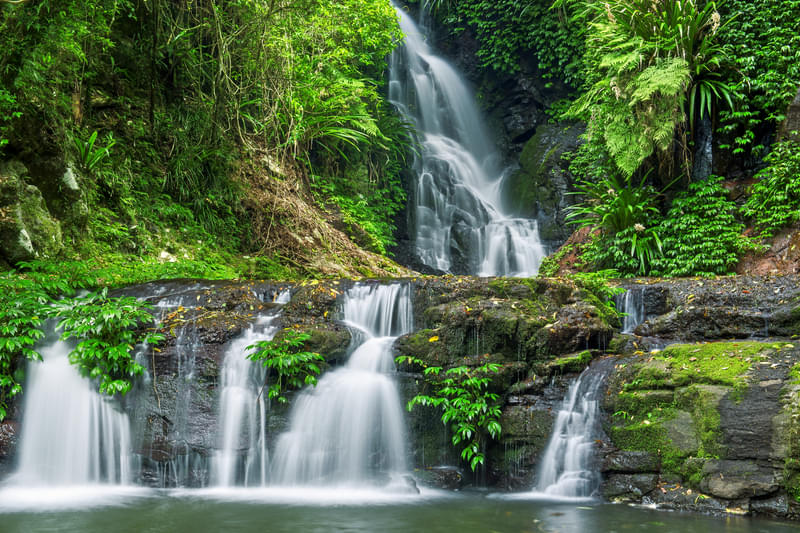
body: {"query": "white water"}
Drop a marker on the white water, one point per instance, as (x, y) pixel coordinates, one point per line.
(458, 211)
(71, 434)
(565, 470)
(243, 413)
(242, 457)
(632, 304)
(348, 430)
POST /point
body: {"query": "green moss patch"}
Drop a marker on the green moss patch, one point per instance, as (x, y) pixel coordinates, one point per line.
(571, 363)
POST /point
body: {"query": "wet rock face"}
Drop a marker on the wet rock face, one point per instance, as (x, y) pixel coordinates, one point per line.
(717, 421)
(735, 307)
(8, 444)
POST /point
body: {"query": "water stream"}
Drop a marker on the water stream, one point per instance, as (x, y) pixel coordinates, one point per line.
(459, 222)
(72, 435)
(631, 303)
(566, 469)
(349, 430)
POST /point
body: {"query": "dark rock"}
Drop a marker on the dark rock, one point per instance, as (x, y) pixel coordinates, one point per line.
(631, 462)
(791, 125)
(539, 189)
(8, 445)
(627, 487)
(777, 506)
(441, 477)
(738, 479)
(27, 230)
(681, 498)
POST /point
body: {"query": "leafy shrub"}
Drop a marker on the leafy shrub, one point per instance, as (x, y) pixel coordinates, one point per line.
(774, 202)
(107, 329)
(627, 216)
(466, 404)
(700, 234)
(292, 367)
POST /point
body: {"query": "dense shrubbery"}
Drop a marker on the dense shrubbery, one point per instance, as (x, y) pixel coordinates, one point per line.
(170, 97)
(106, 328)
(774, 202)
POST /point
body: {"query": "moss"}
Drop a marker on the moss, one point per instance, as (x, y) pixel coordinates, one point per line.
(638, 404)
(794, 374)
(551, 264)
(716, 363)
(571, 363)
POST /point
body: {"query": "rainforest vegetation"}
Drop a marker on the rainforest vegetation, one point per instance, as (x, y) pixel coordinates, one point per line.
(144, 139)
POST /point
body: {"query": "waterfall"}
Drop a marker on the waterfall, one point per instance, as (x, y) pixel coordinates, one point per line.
(565, 469)
(72, 435)
(631, 302)
(458, 220)
(242, 413)
(348, 430)
(242, 457)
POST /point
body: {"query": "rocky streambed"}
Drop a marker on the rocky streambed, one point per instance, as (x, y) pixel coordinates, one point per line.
(701, 410)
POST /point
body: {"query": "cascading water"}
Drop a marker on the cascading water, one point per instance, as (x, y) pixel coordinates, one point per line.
(459, 219)
(71, 435)
(565, 470)
(348, 430)
(242, 458)
(631, 302)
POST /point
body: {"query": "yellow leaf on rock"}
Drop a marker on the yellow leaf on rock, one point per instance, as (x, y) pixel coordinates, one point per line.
(434, 338)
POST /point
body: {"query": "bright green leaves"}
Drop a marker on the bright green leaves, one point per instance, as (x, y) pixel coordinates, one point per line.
(701, 235)
(774, 202)
(462, 394)
(654, 66)
(107, 330)
(287, 364)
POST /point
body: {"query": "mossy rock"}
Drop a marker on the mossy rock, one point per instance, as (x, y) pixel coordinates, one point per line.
(331, 341)
(570, 363)
(27, 229)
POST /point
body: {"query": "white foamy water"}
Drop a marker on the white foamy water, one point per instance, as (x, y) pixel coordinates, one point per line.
(348, 430)
(457, 193)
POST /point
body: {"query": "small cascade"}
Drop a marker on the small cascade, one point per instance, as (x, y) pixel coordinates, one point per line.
(459, 220)
(348, 430)
(631, 302)
(565, 470)
(72, 435)
(242, 457)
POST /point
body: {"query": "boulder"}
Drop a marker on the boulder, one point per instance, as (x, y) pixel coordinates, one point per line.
(631, 462)
(624, 487)
(739, 479)
(27, 229)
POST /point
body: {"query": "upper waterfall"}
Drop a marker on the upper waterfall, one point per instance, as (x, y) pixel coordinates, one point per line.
(459, 222)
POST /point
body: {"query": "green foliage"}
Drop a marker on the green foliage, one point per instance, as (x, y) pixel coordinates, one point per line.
(292, 366)
(700, 234)
(763, 43)
(652, 66)
(107, 330)
(24, 306)
(627, 216)
(461, 393)
(89, 155)
(508, 30)
(774, 202)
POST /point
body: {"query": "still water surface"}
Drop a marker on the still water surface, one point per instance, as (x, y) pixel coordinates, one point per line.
(280, 510)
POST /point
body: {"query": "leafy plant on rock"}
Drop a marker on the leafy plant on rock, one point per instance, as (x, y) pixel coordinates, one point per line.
(627, 216)
(107, 330)
(289, 366)
(462, 394)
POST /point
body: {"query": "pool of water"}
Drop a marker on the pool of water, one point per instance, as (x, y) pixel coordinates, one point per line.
(277, 510)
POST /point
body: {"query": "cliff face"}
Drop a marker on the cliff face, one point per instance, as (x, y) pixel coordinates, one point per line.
(711, 425)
